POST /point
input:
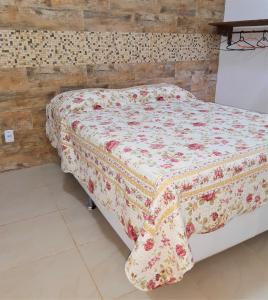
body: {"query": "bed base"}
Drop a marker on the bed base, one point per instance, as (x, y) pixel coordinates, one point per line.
(238, 230)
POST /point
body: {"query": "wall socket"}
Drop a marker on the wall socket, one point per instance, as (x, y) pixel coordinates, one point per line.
(9, 136)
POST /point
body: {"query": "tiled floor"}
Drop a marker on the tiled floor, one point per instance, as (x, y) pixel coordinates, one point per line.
(52, 247)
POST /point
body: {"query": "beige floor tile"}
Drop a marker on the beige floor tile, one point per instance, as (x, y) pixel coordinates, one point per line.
(35, 191)
(259, 245)
(109, 274)
(233, 274)
(105, 258)
(184, 290)
(28, 271)
(61, 276)
(68, 193)
(24, 179)
(16, 206)
(32, 239)
(87, 226)
(104, 248)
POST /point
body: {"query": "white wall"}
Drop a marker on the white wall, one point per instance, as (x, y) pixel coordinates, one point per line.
(243, 76)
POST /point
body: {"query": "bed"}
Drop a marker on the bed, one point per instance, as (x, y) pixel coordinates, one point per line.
(179, 179)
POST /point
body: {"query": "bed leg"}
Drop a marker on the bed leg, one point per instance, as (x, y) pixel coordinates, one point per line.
(90, 204)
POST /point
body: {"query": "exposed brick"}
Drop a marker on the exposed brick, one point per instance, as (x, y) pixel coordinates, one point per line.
(22, 101)
(150, 71)
(109, 74)
(17, 120)
(40, 17)
(151, 6)
(93, 5)
(24, 92)
(109, 21)
(31, 148)
(180, 8)
(14, 80)
(55, 78)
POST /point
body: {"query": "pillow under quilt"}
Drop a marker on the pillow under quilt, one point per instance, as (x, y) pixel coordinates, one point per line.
(97, 98)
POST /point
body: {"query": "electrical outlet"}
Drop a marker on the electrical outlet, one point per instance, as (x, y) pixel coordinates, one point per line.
(9, 136)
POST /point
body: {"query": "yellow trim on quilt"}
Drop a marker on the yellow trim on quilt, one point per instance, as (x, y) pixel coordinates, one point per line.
(224, 182)
(112, 181)
(105, 153)
(138, 186)
(153, 229)
(170, 180)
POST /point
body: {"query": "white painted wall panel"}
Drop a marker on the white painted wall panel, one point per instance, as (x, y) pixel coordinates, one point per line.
(243, 76)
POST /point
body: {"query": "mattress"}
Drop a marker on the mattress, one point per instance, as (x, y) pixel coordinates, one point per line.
(167, 164)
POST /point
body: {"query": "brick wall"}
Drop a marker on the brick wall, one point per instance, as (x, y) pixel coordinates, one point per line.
(48, 46)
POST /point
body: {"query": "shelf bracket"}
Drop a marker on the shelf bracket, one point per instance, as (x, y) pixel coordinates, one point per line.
(227, 28)
(229, 37)
(226, 31)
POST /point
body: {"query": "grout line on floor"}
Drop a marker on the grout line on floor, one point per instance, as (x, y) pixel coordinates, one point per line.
(69, 208)
(124, 295)
(252, 251)
(81, 256)
(30, 218)
(25, 168)
(37, 259)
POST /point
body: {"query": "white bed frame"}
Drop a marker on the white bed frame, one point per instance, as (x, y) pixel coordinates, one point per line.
(203, 246)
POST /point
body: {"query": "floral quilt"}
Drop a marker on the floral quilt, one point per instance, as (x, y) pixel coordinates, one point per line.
(167, 164)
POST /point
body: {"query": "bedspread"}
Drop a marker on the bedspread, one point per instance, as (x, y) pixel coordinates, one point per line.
(167, 164)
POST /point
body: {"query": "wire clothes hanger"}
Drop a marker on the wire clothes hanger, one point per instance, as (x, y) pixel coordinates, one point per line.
(242, 43)
(263, 40)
